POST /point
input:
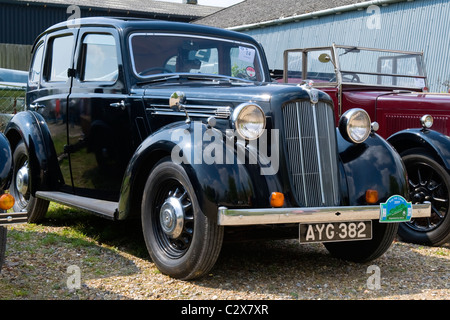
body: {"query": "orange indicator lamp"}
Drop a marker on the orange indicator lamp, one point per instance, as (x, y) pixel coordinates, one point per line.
(276, 199)
(6, 201)
(371, 196)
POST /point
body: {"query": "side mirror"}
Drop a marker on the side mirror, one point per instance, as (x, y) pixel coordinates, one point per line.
(324, 58)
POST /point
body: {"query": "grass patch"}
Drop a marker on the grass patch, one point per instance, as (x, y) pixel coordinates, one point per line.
(82, 229)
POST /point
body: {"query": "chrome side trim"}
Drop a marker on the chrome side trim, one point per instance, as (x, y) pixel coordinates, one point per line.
(223, 112)
(240, 217)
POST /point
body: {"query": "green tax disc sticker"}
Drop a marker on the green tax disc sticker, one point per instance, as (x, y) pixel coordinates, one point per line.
(396, 209)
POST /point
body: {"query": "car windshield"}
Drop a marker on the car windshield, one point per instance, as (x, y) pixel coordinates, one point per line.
(356, 66)
(380, 67)
(156, 54)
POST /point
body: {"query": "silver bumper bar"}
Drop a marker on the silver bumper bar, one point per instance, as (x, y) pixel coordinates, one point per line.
(240, 217)
(7, 218)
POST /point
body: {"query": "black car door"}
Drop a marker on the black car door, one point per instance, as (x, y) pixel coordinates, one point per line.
(49, 89)
(99, 142)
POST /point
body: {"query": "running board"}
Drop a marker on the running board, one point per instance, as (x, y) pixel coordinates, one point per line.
(104, 208)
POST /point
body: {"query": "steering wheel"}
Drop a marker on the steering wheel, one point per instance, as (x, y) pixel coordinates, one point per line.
(164, 70)
(351, 77)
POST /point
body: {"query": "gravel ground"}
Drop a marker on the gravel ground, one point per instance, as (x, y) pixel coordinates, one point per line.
(39, 259)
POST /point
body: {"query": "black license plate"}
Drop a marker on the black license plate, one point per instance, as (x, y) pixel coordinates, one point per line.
(335, 231)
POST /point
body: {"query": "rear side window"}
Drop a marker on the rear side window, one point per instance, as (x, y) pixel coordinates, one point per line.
(61, 54)
(99, 58)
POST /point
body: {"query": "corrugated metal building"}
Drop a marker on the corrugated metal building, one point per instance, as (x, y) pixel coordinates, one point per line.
(418, 25)
(21, 21)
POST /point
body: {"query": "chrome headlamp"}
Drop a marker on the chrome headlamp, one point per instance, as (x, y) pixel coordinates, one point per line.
(249, 120)
(355, 125)
(426, 121)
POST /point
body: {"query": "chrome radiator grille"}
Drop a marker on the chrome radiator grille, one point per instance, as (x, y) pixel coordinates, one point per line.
(310, 136)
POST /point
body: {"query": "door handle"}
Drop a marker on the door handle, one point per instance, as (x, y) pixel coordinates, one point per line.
(36, 106)
(121, 105)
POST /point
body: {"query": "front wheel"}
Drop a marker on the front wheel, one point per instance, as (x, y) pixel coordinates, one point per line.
(428, 181)
(383, 234)
(182, 242)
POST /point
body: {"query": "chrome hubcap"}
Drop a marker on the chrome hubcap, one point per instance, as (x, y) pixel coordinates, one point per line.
(22, 179)
(172, 217)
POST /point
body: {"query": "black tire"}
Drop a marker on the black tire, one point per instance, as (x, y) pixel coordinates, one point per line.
(190, 250)
(36, 208)
(3, 232)
(383, 234)
(428, 181)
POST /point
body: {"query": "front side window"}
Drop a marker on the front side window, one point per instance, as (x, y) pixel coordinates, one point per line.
(61, 56)
(99, 58)
(154, 54)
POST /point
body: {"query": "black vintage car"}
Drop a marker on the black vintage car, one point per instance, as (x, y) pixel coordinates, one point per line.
(181, 126)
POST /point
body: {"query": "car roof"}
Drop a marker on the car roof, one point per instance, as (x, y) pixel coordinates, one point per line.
(149, 24)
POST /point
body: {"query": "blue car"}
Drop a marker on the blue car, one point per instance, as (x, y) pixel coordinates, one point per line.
(13, 77)
(6, 199)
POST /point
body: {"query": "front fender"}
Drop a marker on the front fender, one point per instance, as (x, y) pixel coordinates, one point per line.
(30, 127)
(374, 165)
(224, 182)
(436, 143)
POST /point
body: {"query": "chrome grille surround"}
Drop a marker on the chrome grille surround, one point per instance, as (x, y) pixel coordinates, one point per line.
(310, 136)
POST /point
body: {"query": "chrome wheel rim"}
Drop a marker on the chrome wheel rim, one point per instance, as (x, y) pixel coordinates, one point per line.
(173, 225)
(22, 178)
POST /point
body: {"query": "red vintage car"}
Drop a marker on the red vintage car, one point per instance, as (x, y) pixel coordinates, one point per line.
(392, 87)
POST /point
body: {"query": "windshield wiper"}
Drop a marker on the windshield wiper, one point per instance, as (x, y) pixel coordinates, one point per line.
(354, 49)
(157, 79)
(192, 76)
(213, 77)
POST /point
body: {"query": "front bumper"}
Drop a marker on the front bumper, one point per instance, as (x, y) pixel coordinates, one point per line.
(240, 217)
(7, 218)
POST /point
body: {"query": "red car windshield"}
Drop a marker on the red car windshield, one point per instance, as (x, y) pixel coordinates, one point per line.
(377, 67)
(365, 66)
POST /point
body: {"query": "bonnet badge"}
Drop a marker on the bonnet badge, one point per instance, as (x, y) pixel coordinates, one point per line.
(312, 92)
(314, 95)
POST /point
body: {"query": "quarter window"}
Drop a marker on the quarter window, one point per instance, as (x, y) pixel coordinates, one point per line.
(35, 70)
(99, 58)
